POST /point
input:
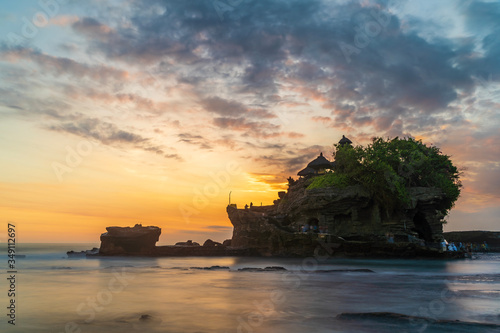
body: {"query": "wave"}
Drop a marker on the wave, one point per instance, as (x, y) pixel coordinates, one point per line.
(443, 325)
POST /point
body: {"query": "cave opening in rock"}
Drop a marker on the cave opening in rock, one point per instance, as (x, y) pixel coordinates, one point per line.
(422, 227)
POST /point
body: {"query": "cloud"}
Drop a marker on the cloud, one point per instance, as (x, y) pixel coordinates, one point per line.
(287, 163)
(64, 20)
(219, 228)
(295, 44)
(197, 140)
(59, 66)
(109, 134)
(255, 129)
(223, 107)
(92, 28)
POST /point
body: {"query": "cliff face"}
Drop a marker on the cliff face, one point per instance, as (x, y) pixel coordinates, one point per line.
(138, 240)
(349, 213)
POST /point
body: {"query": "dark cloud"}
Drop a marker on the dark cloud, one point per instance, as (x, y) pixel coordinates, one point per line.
(398, 74)
(197, 140)
(223, 107)
(256, 129)
(287, 163)
(219, 228)
(229, 108)
(109, 134)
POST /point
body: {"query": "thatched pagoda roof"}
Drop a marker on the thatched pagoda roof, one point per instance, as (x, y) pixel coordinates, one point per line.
(306, 172)
(320, 163)
(344, 141)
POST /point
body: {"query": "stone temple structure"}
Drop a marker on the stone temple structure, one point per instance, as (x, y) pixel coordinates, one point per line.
(347, 219)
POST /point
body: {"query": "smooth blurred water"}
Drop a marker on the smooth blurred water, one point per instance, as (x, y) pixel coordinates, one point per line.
(111, 295)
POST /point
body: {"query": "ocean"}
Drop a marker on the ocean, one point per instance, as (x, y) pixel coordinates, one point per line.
(201, 294)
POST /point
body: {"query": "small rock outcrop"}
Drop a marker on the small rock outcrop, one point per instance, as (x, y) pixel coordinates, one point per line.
(138, 240)
(82, 254)
(189, 243)
(211, 243)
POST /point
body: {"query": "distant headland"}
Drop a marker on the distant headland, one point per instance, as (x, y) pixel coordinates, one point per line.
(388, 199)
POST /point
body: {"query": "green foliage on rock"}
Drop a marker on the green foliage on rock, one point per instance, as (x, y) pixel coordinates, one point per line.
(388, 168)
(330, 179)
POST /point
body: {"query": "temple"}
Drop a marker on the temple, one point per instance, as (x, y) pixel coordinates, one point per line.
(320, 165)
(346, 218)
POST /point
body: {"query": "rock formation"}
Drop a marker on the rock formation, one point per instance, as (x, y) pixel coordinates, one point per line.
(141, 241)
(81, 254)
(138, 240)
(347, 220)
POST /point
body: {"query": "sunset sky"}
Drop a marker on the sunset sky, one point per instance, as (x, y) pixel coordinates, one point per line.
(124, 112)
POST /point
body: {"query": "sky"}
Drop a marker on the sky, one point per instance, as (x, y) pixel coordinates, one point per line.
(160, 112)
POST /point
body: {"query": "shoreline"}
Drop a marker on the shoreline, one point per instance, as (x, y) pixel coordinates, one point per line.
(347, 250)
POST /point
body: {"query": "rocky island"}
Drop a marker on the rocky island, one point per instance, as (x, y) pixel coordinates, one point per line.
(388, 199)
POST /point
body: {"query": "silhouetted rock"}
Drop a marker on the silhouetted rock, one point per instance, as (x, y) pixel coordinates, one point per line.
(212, 268)
(145, 317)
(360, 270)
(189, 243)
(211, 243)
(267, 269)
(227, 242)
(83, 254)
(138, 240)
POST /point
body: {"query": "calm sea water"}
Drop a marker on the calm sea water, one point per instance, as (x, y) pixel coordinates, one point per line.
(56, 294)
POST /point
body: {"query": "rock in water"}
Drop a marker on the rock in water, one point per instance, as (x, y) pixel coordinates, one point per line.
(145, 317)
(138, 240)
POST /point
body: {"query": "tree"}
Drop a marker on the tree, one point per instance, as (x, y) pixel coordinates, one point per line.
(388, 168)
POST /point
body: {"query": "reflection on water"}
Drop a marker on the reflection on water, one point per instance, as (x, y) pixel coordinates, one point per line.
(166, 295)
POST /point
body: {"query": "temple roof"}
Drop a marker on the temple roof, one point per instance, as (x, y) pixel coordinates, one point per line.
(306, 172)
(320, 163)
(344, 140)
